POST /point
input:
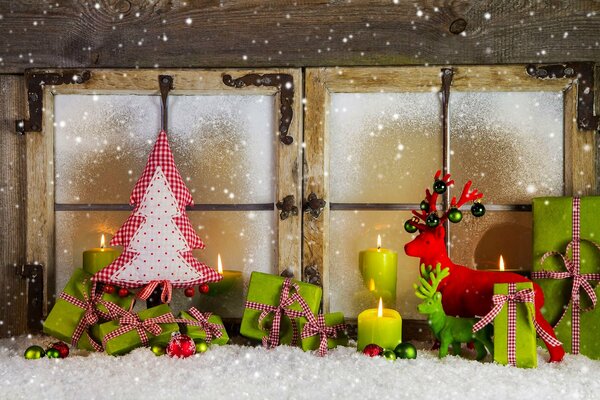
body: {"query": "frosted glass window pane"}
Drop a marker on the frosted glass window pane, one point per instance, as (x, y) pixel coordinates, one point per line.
(510, 144)
(246, 241)
(383, 146)
(353, 231)
(479, 242)
(224, 146)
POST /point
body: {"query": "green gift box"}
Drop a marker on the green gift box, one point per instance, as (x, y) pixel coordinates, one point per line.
(196, 332)
(552, 231)
(130, 340)
(525, 343)
(266, 289)
(313, 342)
(64, 317)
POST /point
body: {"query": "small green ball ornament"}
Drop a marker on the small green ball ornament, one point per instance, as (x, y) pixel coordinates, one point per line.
(478, 209)
(406, 351)
(439, 186)
(158, 350)
(201, 346)
(432, 220)
(34, 352)
(389, 355)
(455, 215)
(52, 353)
(424, 206)
(408, 227)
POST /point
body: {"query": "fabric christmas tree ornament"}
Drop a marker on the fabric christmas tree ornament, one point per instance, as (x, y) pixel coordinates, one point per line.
(158, 237)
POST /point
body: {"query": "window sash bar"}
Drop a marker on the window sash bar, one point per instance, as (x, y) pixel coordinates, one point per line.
(195, 207)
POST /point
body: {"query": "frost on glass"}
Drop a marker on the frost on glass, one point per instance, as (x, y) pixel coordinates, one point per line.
(245, 240)
(224, 146)
(479, 242)
(509, 143)
(383, 146)
(353, 231)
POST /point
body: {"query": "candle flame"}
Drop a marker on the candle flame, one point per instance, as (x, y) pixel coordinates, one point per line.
(102, 242)
(371, 285)
(219, 264)
(501, 263)
(380, 309)
(378, 242)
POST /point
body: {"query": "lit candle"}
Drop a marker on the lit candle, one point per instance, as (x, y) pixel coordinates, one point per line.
(381, 326)
(378, 267)
(229, 278)
(501, 268)
(96, 259)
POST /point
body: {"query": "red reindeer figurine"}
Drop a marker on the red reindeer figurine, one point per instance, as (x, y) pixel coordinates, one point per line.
(466, 292)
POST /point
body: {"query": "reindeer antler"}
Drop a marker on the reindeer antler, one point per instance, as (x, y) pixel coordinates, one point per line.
(466, 196)
(426, 290)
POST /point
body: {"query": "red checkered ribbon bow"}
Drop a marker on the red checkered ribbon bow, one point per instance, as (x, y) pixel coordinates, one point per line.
(316, 325)
(130, 321)
(573, 268)
(212, 329)
(91, 316)
(165, 296)
(512, 298)
(285, 300)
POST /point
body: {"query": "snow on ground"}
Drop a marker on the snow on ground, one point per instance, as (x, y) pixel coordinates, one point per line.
(237, 372)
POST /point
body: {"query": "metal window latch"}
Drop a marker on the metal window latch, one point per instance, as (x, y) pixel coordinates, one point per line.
(312, 275)
(314, 205)
(34, 273)
(287, 206)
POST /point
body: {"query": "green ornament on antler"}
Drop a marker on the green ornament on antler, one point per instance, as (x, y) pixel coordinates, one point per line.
(448, 330)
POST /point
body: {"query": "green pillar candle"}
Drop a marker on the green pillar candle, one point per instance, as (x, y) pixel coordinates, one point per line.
(226, 283)
(381, 326)
(96, 259)
(378, 267)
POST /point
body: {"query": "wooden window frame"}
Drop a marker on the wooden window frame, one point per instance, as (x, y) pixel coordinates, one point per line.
(40, 228)
(320, 83)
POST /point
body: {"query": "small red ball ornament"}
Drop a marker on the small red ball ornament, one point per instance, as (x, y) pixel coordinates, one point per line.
(373, 350)
(181, 346)
(63, 349)
(123, 292)
(204, 288)
(189, 292)
(109, 289)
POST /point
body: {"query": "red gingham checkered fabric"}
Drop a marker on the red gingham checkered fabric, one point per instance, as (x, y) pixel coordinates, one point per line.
(285, 300)
(212, 329)
(162, 157)
(165, 296)
(316, 325)
(573, 267)
(130, 321)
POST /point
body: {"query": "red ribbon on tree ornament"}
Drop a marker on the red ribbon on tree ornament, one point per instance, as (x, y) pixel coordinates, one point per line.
(573, 270)
(165, 296)
(212, 329)
(285, 300)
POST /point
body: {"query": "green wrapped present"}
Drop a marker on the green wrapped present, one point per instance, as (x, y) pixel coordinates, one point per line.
(323, 332)
(557, 245)
(77, 311)
(272, 308)
(205, 326)
(153, 326)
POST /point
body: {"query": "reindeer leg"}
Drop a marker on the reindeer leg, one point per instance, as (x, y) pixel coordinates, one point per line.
(444, 345)
(456, 348)
(480, 349)
(556, 352)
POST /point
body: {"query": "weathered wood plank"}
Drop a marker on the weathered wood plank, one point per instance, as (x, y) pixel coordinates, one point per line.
(13, 304)
(210, 33)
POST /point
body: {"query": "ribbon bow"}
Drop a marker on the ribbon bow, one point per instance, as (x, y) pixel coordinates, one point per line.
(285, 300)
(165, 296)
(512, 298)
(129, 321)
(316, 325)
(91, 316)
(212, 329)
(573, 270)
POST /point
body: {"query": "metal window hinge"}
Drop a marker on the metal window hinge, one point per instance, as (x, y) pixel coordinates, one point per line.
(312, 275)
(287, 206)
(35, 94)
(34, 273)
(314, 205)
(584, 73)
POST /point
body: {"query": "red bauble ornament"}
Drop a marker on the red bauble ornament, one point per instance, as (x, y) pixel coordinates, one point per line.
(63, 349)
(181, 346)
(110, 289)
(189, 292)
(123, 292)
(373, 350)
(204, 288)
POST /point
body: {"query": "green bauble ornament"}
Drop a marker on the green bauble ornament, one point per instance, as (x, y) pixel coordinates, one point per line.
(408, 227)
(52, 353)
(439, 186)
(158, 350)
(477, 209)
(34, 352)
(406, 351)
(424, 206)
(432, 220)
(454, 215)
(201, 346)
(389, 355)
